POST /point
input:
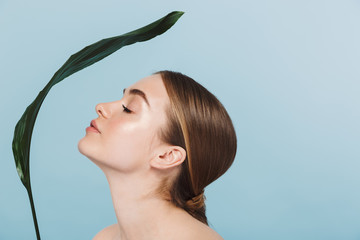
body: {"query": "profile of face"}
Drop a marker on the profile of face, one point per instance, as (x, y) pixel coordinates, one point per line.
(128, 128)
(168, 135)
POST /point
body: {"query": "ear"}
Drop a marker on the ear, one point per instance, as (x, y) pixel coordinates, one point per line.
(171, 156)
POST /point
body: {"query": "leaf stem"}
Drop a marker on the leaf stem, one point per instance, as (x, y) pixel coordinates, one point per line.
(33, 212)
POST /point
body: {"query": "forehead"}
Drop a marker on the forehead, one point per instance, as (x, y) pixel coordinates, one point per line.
(154, 89)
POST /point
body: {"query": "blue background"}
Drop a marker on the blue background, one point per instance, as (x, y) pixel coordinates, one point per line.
(287, 71)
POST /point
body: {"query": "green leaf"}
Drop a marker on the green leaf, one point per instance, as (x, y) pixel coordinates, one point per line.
(80, 60)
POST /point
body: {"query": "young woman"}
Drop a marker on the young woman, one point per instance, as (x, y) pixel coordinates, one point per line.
(159, 147)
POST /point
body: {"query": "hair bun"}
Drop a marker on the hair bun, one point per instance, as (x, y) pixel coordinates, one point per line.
(196, 202)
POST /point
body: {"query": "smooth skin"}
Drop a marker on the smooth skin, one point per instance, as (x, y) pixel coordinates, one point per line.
(135, 161)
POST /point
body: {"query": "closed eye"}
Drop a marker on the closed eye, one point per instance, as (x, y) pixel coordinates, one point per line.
(126, 109)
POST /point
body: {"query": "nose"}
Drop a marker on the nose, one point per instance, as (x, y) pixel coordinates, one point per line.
(102, 111)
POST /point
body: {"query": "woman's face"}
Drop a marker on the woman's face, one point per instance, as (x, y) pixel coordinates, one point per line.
(128, 128)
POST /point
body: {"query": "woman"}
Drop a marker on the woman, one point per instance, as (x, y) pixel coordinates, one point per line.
(159, 147)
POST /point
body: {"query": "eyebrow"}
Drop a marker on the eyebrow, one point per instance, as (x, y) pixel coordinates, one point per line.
(138, 92)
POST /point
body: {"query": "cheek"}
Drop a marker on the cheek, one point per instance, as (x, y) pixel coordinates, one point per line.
(127, 145)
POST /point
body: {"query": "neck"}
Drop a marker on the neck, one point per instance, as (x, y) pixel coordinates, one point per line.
(140, 213)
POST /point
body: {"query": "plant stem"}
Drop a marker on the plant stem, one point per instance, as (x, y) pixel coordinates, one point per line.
(33, 212)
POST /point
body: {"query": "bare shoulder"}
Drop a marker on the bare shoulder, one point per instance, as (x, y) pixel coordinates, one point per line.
(194, 229)
(107, 233)
(205, 232)
(214, 235)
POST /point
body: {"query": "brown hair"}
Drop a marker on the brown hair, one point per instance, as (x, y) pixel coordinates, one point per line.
(199, 123)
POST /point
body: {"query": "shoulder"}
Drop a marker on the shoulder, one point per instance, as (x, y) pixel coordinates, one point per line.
(205, 232)
(195, 229)
(107, 233)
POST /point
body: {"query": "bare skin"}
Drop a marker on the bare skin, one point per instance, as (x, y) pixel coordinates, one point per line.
(135, 161)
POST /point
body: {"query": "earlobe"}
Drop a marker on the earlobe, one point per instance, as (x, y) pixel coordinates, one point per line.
(172, 156)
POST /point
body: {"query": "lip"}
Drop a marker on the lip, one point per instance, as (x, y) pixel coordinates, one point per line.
(93, 126)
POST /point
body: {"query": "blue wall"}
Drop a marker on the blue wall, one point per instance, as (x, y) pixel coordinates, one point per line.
(287, 71)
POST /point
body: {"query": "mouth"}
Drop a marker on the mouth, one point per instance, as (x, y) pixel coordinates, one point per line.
(93, 124)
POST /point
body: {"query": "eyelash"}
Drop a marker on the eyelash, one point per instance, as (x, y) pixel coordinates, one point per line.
(126, 109)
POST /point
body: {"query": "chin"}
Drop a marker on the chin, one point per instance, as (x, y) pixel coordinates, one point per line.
(80, 146)
(85, 148)
(89, 150)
